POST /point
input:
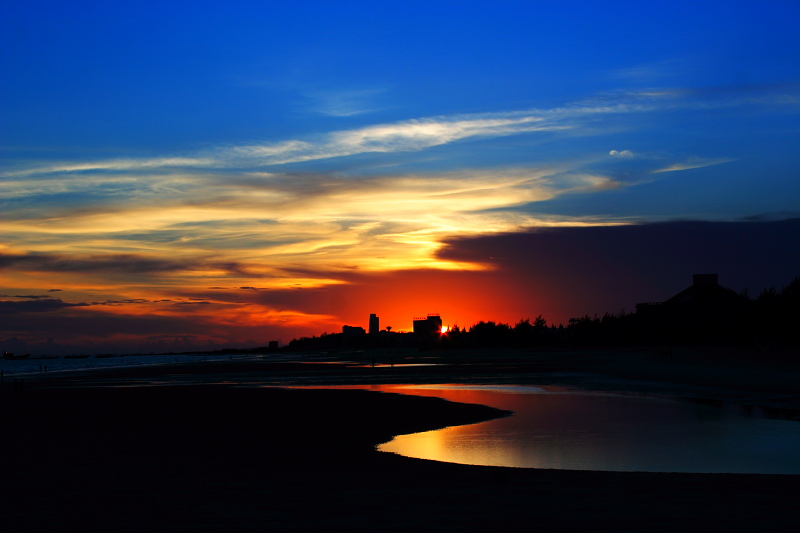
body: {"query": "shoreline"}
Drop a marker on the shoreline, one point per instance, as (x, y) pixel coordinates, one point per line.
(703, 375)
(104, 451)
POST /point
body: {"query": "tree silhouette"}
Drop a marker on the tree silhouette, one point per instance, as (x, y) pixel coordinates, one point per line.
(705, 314)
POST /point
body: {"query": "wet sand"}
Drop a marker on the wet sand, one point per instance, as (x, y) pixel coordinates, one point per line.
(105, 452)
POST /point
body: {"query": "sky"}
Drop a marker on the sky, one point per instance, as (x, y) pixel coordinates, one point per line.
(198, 175)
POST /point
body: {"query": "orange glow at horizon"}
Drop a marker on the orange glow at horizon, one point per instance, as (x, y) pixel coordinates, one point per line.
(461, 298)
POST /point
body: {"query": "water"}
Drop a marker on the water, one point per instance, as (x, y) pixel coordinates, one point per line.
(555, 427)
(35, 366)
(573, 430)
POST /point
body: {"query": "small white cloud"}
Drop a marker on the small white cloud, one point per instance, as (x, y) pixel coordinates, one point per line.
(622, 153)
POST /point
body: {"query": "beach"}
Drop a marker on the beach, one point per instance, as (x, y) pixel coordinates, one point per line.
(208, 447)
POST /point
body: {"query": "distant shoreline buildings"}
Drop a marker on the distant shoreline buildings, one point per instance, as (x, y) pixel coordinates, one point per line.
(428, 326)
(348, 332)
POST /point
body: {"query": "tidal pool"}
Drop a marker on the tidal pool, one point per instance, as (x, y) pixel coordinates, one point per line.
(573, 430)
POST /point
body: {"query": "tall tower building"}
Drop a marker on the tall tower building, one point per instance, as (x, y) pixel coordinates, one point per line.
(374, 324)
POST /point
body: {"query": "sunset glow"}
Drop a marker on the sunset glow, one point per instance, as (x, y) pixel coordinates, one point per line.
(163, 193)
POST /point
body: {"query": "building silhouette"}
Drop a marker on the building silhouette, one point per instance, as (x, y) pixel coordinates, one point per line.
(428, 326)
(703, 311)
(374, 324)
(348, 332)
(704, 294)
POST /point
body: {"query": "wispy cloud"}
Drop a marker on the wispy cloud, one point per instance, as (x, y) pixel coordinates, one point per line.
(406, 136)
(410, 135)
(114, 165)
(345, 103)
(378, 222)
(658, 72)
(35, 306)
(693, 163)
(579, 118)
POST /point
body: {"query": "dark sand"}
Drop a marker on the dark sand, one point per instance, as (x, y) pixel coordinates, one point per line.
(80, 455)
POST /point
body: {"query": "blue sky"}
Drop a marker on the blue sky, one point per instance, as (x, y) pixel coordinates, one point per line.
(275, 145)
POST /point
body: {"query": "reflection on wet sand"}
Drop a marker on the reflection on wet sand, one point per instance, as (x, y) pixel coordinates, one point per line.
(555, 428)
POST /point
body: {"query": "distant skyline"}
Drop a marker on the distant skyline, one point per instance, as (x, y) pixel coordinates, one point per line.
(188, 176)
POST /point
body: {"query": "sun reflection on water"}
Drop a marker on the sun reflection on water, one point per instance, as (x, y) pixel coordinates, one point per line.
(557, 428)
